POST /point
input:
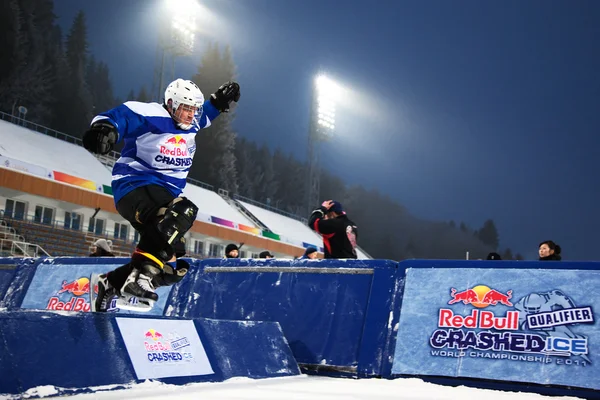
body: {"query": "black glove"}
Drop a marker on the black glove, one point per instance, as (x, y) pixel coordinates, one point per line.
(169, 275)
(228, 92)
(100, 138)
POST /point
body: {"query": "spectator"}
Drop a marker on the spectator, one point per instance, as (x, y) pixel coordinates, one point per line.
(102, 248)
(265, 254)
(549, 251)
(232, 251)
(338, 232)
(493, 256)
(310, 254)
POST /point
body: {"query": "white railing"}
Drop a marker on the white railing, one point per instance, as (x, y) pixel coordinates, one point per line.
(24, 249)
(7, 232)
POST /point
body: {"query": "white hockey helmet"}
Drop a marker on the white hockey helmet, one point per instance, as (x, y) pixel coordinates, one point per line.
(187, 93)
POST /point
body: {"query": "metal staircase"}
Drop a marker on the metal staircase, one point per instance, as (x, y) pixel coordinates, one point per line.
(233, 203)
(14, 245)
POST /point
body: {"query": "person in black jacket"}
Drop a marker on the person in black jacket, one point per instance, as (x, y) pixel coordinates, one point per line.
(338, 232)
(549, 251)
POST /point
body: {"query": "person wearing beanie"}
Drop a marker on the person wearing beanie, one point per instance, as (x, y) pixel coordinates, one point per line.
(102, 248)
(310, 254)
(232, 251)
(338, 231)
(493, 256)
(266, 254)
(549, 251)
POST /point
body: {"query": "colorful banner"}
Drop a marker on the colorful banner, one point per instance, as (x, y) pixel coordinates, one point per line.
(249, 229)
(73, 180)
(224, 222)
(526, 325)
(271, 235)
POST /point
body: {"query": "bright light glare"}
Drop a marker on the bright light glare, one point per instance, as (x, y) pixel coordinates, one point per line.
(185, 7)
(327, 93)
(182, 15)
(327, 88)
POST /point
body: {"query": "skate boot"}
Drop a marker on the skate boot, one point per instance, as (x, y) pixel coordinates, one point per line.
(104, 300)
(138, 292)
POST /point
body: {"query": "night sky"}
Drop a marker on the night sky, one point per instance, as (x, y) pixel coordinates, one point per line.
(460, 110)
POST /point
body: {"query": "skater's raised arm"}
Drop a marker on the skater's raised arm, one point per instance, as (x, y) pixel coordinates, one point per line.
(219, 102)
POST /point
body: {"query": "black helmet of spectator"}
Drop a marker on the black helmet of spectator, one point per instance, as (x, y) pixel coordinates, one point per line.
(310, 252)
(265, 254)
(232, 251)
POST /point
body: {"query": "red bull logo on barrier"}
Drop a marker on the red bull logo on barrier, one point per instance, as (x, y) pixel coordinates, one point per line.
(480, 296)
(163, 349)
(535, 328)
(79, 292)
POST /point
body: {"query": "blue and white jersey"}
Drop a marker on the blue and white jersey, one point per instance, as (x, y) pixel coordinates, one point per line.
(156, 151)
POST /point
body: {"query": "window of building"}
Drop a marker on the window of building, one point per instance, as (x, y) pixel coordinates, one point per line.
(14, 209)
(73, 221)
(198, 247)
(215, 250)
(96, 226)
(121, 231)
(43, 215)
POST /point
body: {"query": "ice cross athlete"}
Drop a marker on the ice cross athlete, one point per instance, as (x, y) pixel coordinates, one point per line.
(147, 182)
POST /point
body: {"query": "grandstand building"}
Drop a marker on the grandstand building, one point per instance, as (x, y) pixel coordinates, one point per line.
(56, 200)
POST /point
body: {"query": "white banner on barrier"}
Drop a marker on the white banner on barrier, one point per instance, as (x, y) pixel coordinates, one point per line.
(160, 348)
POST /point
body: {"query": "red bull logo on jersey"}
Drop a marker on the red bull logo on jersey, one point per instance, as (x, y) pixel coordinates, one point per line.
(534, 328)
(174, 151)
(174, 146)
(78, 300)
(161, 349)
(176, 141)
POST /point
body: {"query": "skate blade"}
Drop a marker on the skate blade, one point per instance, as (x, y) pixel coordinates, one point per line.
(132, 303)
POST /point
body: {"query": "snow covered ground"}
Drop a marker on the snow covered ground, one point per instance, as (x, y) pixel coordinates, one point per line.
(302, 387)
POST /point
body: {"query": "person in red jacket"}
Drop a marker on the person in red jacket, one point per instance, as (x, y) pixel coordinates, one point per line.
(338, 231)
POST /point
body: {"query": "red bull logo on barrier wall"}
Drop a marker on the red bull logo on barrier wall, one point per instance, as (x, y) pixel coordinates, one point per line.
(163, 349)
(535, 328)
(480, 296)
(79, 292)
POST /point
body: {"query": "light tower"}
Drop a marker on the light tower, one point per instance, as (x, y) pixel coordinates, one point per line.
(177, 36)
(321, 128)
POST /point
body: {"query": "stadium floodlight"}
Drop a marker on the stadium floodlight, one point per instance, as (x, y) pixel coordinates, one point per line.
(327, 93)
(176, 39)
(182, 29)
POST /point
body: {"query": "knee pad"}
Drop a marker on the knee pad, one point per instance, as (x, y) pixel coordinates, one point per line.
(176, 219)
